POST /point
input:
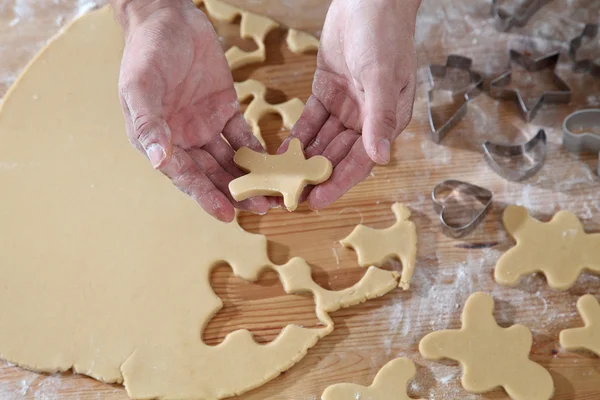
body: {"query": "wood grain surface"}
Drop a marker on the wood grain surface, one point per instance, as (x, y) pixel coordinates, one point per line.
(367, 336)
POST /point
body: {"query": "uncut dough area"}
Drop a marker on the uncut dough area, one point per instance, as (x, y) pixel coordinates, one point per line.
(448, 271)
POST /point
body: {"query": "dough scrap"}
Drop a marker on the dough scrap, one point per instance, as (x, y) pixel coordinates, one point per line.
(282, 174)
(588, 337)
(252, 26)
(560, 249)
(300, 42)
(104, 265)
(389, 384)
(491, 356)
(376, 246)
(290, 110)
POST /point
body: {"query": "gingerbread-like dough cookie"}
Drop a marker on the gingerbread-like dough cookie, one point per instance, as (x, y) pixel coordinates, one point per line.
(560, 249)
(389, 384)
(300, 42)
(278, 175)
(376, 246)
(491, 356)
(104, 265)
(588, 337)
(289, 111)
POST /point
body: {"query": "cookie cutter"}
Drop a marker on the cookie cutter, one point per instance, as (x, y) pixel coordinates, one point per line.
(528, 150)
(586, 65)
(454, 189)
(562, 95)
(506, 20)
(581, 132)
(465, 93)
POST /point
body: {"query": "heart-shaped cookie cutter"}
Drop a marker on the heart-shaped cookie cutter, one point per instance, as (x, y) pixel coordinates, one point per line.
(456, 189)
(539, 141)
(581, 132)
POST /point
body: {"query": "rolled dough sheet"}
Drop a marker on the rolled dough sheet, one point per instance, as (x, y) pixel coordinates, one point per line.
(96, 272)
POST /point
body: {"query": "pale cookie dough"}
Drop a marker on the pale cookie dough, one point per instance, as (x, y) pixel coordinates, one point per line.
(300, 42)
(252, 26)
(278, 175)
(588, 337)
(289, 111)
(560, 249)
(389, 384)
(376, 246)
(104, 265)
(491, 356)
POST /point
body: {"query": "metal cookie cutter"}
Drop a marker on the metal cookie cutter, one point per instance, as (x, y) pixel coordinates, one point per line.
(585, 65)
(450, 199)
(498, 88)
(505, 20)
(464, 94)
(581, 132)
(534, 150)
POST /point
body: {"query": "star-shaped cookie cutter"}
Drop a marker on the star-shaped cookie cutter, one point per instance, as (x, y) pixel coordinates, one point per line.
(581, 132)
(454, 189)
(585, 65)
(464, 94)
(506, 20)
(529, 149)
(498, 88)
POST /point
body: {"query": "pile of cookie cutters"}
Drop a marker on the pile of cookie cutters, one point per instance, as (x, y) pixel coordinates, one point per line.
(581, 129)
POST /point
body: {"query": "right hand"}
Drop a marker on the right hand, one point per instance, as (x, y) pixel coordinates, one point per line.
(178, 98)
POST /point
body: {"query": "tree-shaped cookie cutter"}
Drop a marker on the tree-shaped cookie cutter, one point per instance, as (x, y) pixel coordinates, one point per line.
(562, 95)
(587, 337)
(505, 20)
(464, 94)
(581, 132)
(585, 65)
(536, 146)
(454, 189)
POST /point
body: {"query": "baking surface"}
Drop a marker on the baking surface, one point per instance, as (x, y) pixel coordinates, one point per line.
(366, 337)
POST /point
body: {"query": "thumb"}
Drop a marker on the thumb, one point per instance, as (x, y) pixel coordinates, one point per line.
(154, 136)
(380, 124)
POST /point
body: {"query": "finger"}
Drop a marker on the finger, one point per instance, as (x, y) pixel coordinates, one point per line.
(332, 128)
(355, 167)
(188, 177)
(222, 154)
(308, 125)
(238, 134)
(382, 92)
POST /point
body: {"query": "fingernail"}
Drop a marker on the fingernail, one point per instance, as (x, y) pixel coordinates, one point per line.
(383, 150)
(156, 154)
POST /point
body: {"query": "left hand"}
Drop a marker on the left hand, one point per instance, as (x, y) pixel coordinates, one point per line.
(364, 84)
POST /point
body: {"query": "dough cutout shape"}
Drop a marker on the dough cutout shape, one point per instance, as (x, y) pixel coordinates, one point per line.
(491, 356)
(588, 337)
(560, 249)
(93, 279)
(390, 383)
(300, 42)
(376, 246)
(278, 175)
(252, 26)
(289, 111)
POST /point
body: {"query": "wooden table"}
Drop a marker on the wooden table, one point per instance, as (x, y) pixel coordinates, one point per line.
(448, 270)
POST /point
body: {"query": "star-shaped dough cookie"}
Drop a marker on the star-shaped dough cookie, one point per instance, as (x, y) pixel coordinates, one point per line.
(491, 356)
(278, 175)
(389, 384)
(560, 249)
(588, 337)
(376, 246)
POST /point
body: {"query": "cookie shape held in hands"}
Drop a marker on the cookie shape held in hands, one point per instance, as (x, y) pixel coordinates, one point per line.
(389, 384)
(588, 337)
(560, 249)
(376, 246)
(299, 42)
(289, 111)
(491, 356)
(278, 175)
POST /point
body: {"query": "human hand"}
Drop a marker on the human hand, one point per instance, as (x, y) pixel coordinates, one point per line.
(177, 96)
(364, 83)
